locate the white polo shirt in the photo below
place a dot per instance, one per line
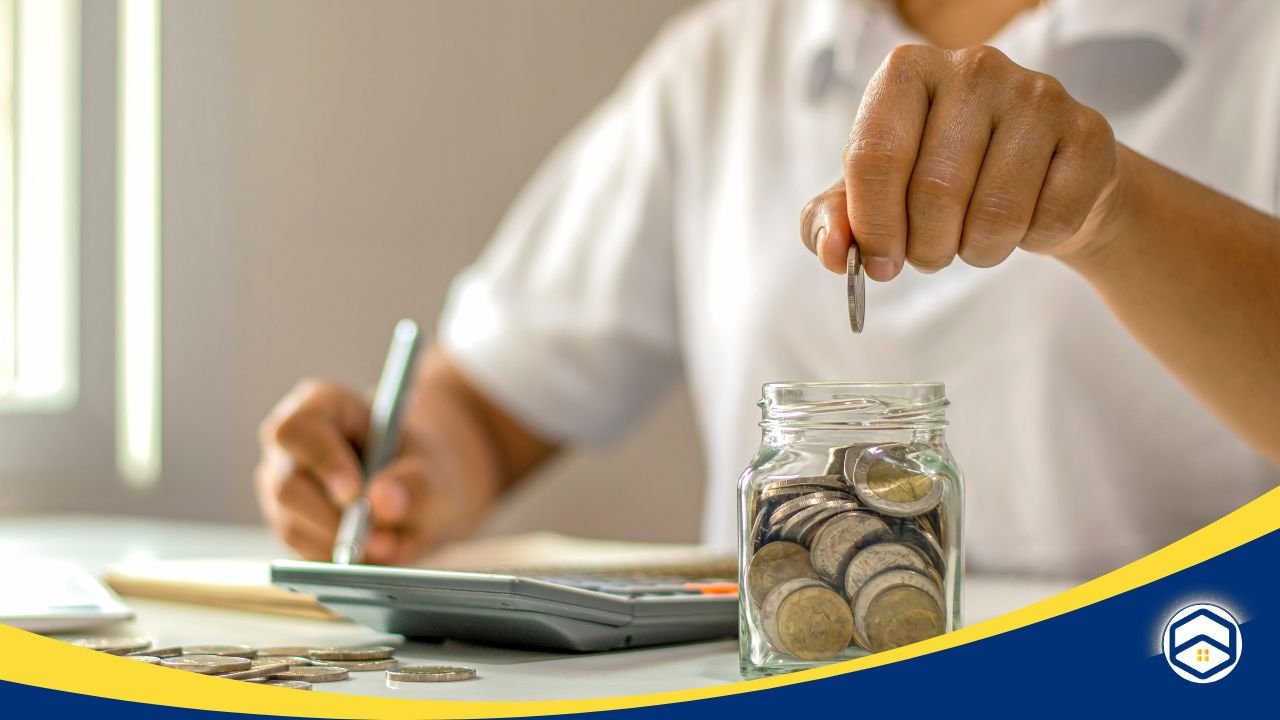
(662, 237)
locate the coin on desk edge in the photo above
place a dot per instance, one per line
(855, 290)
(840, 538)
(148, 659)
(284, 651)
(257, 671)
(207, 664)
(775, 564)
(112, 645)
(314, 674)
(916, 597)
(365, 665)
(290, 684)
(814, 623)
(370, 652)
(431, 673)
(875, 559)
(240, 651)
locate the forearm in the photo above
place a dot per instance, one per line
(1195, 277)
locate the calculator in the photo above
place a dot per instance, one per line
(578, 613)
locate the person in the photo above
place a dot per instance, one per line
(1106, 172)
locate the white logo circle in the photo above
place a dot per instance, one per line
(1202, 643)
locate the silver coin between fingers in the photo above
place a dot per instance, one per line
(257, 671)
(370, 652)
(240, 651)
(290, 684)
(113, 645)
(314, 674)
(887, 480)
(854, 288)
(207, 664)
(875, 559)
(840, 538)
(431, 673)
(897, 607)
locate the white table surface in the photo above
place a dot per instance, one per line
(94, 542)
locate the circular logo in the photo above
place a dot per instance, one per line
(1202, 643)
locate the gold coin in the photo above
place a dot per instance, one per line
(900, 616)
(774, 564)
(897, 484)
(814, 623)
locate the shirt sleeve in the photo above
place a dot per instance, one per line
(568, 319)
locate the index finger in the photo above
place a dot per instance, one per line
(881, 154)
(318, 426)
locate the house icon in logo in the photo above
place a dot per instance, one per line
(1202, 643)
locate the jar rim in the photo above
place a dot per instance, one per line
(917, 404)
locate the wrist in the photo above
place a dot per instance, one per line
(1110, 227)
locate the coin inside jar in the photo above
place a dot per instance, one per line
(775, 564)
(791, 507)
(800, 526)
(898, 607)
(888, 480)
(873, 560)
(808, 620)
(835, 543)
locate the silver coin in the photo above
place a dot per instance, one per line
(835, 543)
(113, 645)
(854, 288)
(794, 528)
(164, 652)
(255, 672)
(148, 659)
(290, 684)
(923, 541)
(314, 674)
(431, 673)
(291, 660)
(207, 664)
(790, 507)
(875, 559)
(835, 460)
(887, 479)
(284, 651)
(240, 651)
(896, 608)
(371, 652)
(780, 486)
(365, 665)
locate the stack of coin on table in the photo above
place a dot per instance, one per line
(851, 556)
(294, 667)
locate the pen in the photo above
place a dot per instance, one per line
(384, 438)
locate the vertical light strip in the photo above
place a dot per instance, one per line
(47, 130)
(8, 257)
(138, 233)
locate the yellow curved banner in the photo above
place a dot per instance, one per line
(42, 662)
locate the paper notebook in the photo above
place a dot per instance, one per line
(244, 584)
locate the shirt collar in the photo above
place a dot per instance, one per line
(844, 41)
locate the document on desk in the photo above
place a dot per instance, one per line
(244, 584)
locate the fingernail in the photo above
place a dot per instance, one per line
(397, 500)
(879, 268)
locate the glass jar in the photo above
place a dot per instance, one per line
(849, 525)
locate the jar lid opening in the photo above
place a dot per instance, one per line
(865, 404)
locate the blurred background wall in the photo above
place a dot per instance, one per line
(327, 167)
